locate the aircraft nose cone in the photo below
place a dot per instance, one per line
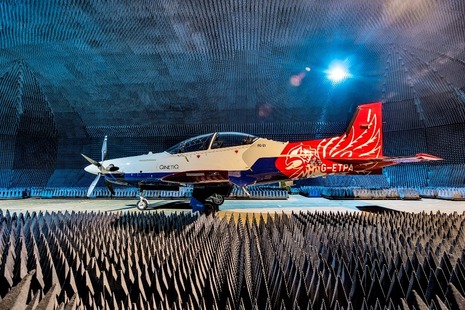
(92, 169)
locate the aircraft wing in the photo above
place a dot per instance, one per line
(187, 177)
(421, 157)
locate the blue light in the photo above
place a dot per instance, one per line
(338, 71)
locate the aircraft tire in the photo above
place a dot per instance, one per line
(142, 204)
(217, 199)
(210, 208)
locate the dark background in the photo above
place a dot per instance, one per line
(151, 73)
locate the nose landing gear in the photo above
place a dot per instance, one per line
(142, 204)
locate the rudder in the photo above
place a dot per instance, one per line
(364, 135)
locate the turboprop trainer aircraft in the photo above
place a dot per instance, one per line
(213, 163)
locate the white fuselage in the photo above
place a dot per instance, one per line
(236, 158)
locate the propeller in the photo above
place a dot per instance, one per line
(93, 184)
(102, 169)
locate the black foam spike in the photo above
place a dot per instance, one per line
(395, 292)
(17, 297)
(454, 298)
(414, 285)
(417, 301)
(357, 293)
(149, 260)
(339, 296)
(458, 278)
(439, 304)
(376, 291)
(434, 288)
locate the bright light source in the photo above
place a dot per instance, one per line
(337, 74)
(307, 69)
(338, 71)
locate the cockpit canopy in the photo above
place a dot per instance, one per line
(212, 141)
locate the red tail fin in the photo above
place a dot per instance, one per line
(363, 137)
(358, 151)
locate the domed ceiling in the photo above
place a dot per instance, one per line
(114, 64)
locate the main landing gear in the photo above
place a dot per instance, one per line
(216, 199)
(209, 208)
(207, 199)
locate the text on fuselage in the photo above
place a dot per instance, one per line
(337, 168)
(169, 167)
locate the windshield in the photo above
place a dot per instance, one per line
(222, 139)
(194, 144)
(229, 139)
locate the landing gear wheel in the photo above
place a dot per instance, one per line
(217, 199)
(142, 204)
(210, 208)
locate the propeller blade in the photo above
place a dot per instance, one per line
(110, 187)
(104, 148)
(93, 162)
(92, 186)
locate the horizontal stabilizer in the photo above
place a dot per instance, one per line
(417, 158)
